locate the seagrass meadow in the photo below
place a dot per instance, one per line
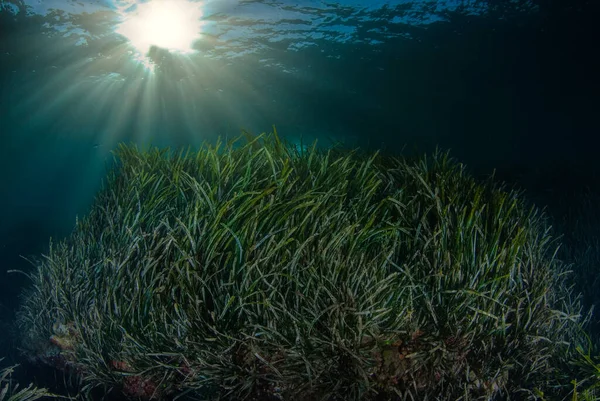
(256, 270)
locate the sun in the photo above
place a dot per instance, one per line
(168, 24)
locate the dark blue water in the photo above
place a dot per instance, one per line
(506, 85)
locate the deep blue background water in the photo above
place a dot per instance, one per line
(511, 86)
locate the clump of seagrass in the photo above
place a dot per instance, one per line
(261, 271)
(10, 391)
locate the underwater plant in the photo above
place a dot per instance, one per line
(9, 391)
(264, 271)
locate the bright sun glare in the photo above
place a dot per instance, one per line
(169, 24)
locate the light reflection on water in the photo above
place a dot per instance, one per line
(234, 28)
